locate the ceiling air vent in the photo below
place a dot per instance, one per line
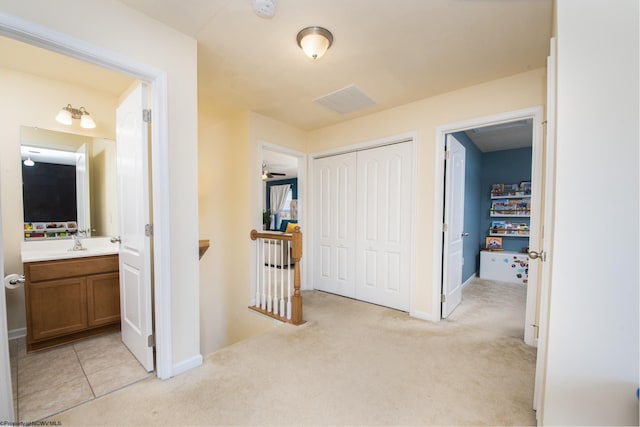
(345, 100)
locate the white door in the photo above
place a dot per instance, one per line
(83, 194)
(6, 394)
(335, 183)
(547, 220)
(383, 260)
(454, 231)
(133, 205)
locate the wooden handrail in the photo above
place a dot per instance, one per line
(296, 254)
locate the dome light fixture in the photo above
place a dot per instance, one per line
(68, 113)
(314, 41)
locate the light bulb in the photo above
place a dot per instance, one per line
(64, 117)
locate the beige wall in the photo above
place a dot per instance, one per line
(229, 195)
(146, 41)
(31, 101)
(230, 205)
(508, 94)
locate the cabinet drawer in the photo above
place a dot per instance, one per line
(60, 269)
(56, 307)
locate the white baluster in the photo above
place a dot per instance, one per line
(282, 313)
(263, 301)
(289, 286)
(259, 271)
(271, 263)
(275, 288)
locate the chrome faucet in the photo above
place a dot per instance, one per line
(77, 242)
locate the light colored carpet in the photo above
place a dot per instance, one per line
(352, 363)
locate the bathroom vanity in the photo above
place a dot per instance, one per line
(71, 295)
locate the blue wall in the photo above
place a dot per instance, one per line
(472, 205)
(481, 171)
(506, 167)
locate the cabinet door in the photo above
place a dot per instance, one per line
(57, 307)
(103, 299)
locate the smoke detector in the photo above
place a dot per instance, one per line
(264, 8)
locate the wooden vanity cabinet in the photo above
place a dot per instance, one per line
(70, 299)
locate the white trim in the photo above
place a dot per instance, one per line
(187, 365)
(15, 334)
(423, 316)
(535, 113)
(408, 137)
(49, 39)
(469, 280)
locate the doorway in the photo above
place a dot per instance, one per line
(510, 147)
(281, 168)
(53, 41)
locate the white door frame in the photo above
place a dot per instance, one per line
(255, 176)
(534, 113)
(312, 202)
(49, 39)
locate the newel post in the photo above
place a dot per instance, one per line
(296, 254)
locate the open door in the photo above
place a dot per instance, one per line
(133, 205)
(453, 236)
(547, 219)
(83, 195)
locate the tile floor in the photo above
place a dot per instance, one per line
(49, 381)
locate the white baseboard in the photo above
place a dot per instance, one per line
(469, 280)
(17, 333)
(424, 316)
(186, 365)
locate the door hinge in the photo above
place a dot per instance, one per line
(151, 341)
(444, 298)
(146, 115)
(148, 230)
(445, 227)
(446, 154)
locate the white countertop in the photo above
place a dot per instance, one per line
(46, 250)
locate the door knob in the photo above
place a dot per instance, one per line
(464, 234)
(542, 255)
(115, 239)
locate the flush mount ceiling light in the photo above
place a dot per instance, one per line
(314, 41)
(68, 113)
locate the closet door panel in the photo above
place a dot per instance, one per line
(383, 233)
(335, 182)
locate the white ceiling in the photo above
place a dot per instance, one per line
(393, 51)
(504, 136)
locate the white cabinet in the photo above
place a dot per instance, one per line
(504, 266)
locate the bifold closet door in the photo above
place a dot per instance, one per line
(335, 225)
(383, 227)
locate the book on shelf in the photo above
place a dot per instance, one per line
(505, 190)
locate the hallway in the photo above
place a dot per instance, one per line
(352, 363)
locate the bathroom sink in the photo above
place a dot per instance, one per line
(45, 250)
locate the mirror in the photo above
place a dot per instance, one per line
(69, 183)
